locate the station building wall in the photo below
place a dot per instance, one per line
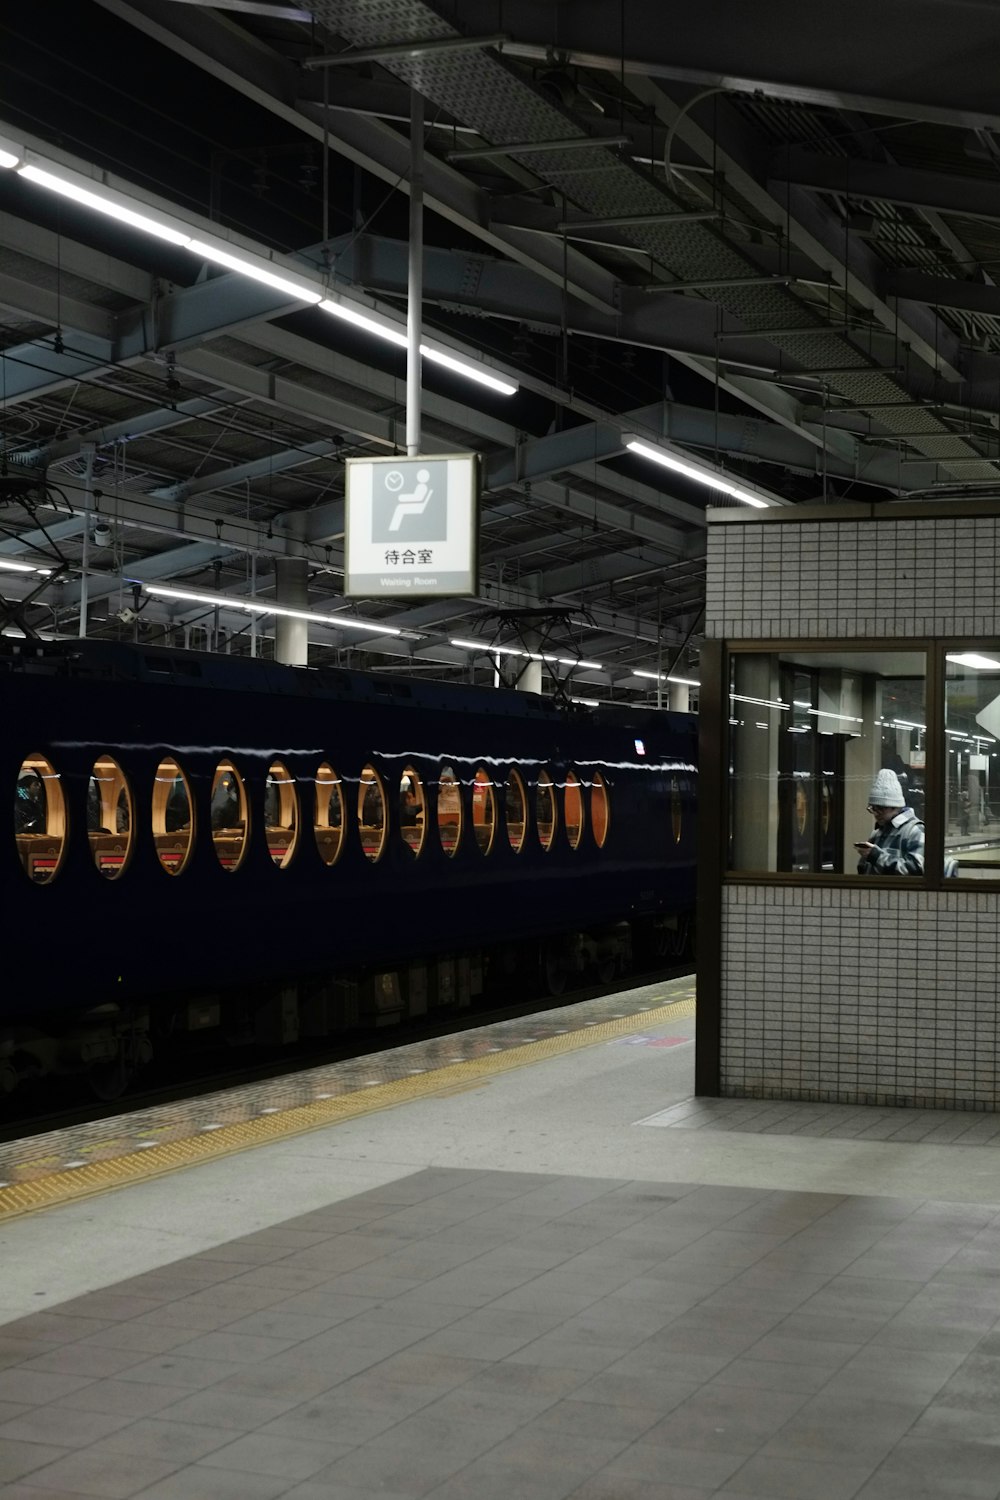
(840, 991)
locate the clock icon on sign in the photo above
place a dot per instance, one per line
(394, 481)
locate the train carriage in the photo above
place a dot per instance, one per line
(204, 842)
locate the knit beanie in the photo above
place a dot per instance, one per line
(886, 790)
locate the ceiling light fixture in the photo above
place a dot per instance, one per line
(20, 567)
(562, 661)
(692, 470)
(973, 659)
(115, 205)
(257, 270)
(90, 191)
(266, 607)
(666, 677)
(349, 312)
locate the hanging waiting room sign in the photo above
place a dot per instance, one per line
(412, 527)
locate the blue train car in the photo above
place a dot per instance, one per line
(204, 842)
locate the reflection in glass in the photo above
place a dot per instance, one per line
(411, 810)
(483, 811)
(229, 817)
(109, 817)
(573, 809)
(515, 812)
(545, 810)
(809, 730)
(39, 819)
(371, 813)
(173, 818)
(972, 759)
(328, 819)
(281, 814)
(449, 810)
(599, 809)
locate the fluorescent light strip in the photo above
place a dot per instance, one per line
(665, 677)
(103, 202)
(126, 210)
(265, 607)
(20, 567)
(256, 270)
(563, 661)
(972, 659)
(693, 471)
(342, 308)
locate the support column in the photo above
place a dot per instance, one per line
(529, 679)
(680, 697)
(415, 284)
(291, 637)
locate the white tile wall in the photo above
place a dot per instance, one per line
(885, 577)
(845, 994)
(861, 997)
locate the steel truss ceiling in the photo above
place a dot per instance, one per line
(783, 262)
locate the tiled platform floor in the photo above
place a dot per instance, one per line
(506, 1335)
(934, 1127)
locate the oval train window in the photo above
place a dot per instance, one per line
(449, 810)
(371, 813)
(328, 818)
(173, 817)
(483, 811)
(515, 805)
(411, 810)
(545, 810)
(676, 809)
(573, 809)
(39, 819)
(599, 809)
(109, 817)
(230, 818)
(281, 814)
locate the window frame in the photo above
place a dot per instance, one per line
(226, 763)
(130, 834)
(186, 857)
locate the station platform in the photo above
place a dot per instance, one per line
(535, 1268)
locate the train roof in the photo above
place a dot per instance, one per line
(121, 661)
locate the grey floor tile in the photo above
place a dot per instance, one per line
(235, 1348)
(109, 1476)
(281, 1457)
(671, 1465)
(773, 1375)
(827, 1427)
(175, 1369)
(85, 1359)
(944, 1462)
(727, 1419)
(600, 1488)
(596, 1419)
(62, 1426)
(227, 1410)
(139, 1337)
(331, 1421)
(18, 1459)
(200, 1483)
(473, 1484)
(611, 1388)
(37, 1386)
(796, 1479)
(118, 1397)
(888, 1486)
(173, 1441)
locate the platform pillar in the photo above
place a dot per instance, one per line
(291, 637)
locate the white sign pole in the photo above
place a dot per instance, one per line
(415, 286)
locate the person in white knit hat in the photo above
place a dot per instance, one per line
(896, 846)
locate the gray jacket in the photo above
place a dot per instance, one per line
(900, 848)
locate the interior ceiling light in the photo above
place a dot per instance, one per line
(349, 312)
(266, 607)
(257, 270)
(104, 202)
(666, 677)
(20, 567)
(692, 470)
(972, 659)
(562, 661)
(90, 192)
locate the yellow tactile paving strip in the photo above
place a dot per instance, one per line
(45, 1185)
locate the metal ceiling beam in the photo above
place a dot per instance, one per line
(52, 306)
(74, 259)
(245, 473)
(147, 569)
(943, 54)
(944, 291)
(142, 424)
(245, 64)
(945, 192)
